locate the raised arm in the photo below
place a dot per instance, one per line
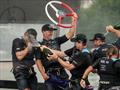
(68, 66)
(57, 52)
(21, 54)
(41, 69)
(57, 55)
(72, 30)
(110, 28)
(86, 73)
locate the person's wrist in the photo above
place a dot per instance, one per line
(57, 58)
(83, 79)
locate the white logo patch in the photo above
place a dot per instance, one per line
(17, 48)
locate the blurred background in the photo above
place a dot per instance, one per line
(18, 15)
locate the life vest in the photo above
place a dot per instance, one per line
(107, 71)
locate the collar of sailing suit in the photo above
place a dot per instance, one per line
(85, 50)
(44, 41)
(47, 40)
(114, 59)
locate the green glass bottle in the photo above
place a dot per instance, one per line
(47, 51)
(117, 26)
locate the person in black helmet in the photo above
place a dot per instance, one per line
(23, 55)
(53, 67)
(108, 69)
(78, 62)
(99, 45)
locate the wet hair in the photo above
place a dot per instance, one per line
(31, 31)
(112, 50)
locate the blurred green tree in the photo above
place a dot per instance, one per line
(100, 14)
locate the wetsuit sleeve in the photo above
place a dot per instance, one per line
(95, 65)
(83, 59)
(61, 39)
(95, 55)
(69, 52)
(38, 53)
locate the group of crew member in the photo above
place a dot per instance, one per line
(80, 62)
(25, 54)
(104, 59)
(108, 65)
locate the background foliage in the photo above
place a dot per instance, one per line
(95, 18)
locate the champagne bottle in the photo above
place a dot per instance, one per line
(47, 51)
(117, 26)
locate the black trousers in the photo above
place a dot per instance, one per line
(25, 77)
(57, 80)
(30, 83)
